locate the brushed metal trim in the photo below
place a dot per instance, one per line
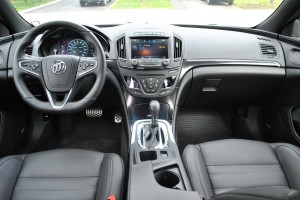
(52, 102)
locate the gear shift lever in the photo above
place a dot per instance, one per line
(154, 107)
(151, 131)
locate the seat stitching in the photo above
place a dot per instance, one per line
(198, 171)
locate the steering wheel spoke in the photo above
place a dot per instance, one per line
(58, 101)
(31, 65)
(86, 66)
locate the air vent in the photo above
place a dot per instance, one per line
(121, 48)
(28, 50)
(177, 48)
(268, 50)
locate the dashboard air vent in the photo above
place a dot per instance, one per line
(268, 50)
(28, 50)
(121, 48)
(177, 48)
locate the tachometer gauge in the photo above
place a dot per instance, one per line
(78, 47)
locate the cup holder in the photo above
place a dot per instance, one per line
(167, 179)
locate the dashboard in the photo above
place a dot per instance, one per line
(152, 61)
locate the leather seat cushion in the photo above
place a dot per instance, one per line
(61, 174)
(220, 166)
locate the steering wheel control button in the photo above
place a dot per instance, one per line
(32, 67)
(92, 64)
(85, 66)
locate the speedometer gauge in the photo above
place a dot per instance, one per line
(78, 47)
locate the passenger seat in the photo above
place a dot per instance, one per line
(218, 167)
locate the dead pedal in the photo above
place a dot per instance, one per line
(93, 112)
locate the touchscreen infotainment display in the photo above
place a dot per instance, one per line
(149, 48)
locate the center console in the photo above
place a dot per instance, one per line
(149, 62)
(156, 168)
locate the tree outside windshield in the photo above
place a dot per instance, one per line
(243, 13)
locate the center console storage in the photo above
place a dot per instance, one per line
(148, 155)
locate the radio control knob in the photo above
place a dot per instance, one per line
(166, 62)
(134, 62)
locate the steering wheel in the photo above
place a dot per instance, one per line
(60, 75)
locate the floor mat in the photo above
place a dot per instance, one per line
(194, 126)
(99, 134)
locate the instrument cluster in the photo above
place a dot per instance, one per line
(66, 42)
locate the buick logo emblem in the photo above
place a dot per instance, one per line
(59, 67)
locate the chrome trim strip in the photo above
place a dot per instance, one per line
(162, 130)
(51, 100)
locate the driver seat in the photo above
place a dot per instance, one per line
(61, 174)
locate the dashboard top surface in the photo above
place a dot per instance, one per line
(197, 43)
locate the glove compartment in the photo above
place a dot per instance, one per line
(234, 85)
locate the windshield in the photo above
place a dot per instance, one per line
(240, 13)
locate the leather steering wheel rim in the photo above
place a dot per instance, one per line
(39, 67)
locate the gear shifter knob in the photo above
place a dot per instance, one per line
(154, 107)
